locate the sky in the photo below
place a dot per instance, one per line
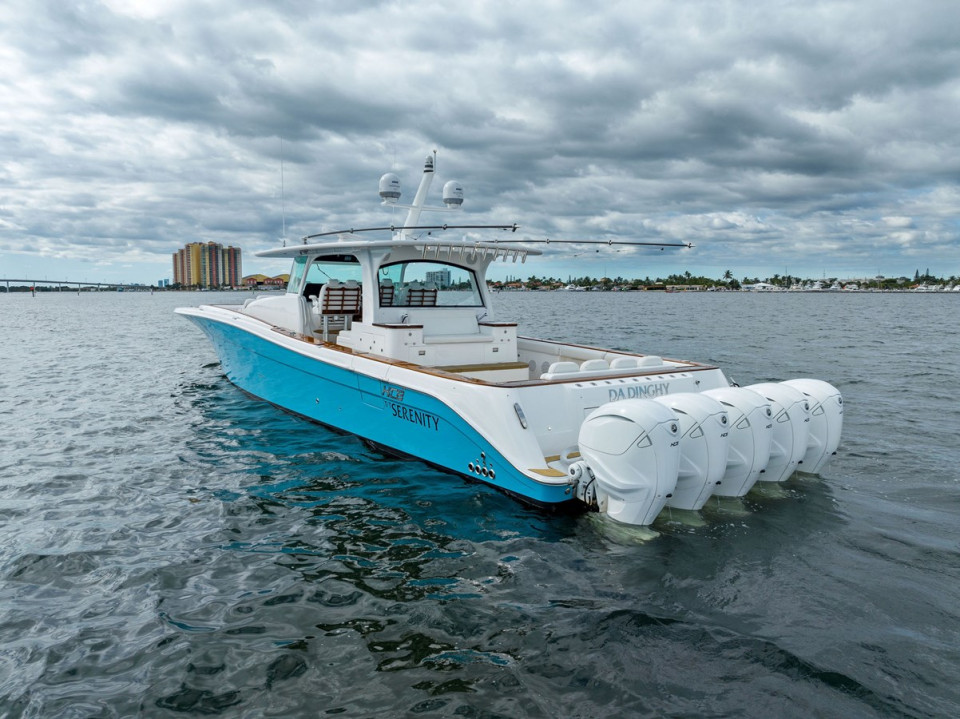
(812, 139)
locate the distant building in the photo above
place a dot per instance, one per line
(207, 264)
(441, 278)
(254, 281)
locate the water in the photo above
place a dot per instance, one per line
(172, 547)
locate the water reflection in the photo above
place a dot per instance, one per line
(321, 540)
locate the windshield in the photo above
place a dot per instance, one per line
(342, 268)
(421, 283)
(296, 273)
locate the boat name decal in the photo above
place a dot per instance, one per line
(416, 416)
(639, 391)
(391, 391)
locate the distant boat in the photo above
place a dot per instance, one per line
(762, 287)
(365, 340)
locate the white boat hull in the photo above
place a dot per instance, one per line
(393, 340)
(522, 436)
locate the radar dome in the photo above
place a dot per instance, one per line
(453, 194)
(390, 188)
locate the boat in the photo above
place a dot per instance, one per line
(762, 287)
(389, 334)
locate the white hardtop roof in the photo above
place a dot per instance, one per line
(348, 246)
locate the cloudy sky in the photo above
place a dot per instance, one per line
(804, 138)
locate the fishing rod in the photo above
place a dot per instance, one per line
(394, 228)
(511, 228)
(661, 245)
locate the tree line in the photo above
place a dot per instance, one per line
(727, 281)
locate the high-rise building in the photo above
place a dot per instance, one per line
(441, 278)
(207, 264)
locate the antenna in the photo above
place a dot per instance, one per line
(283, 209)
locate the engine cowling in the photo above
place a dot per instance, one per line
(826, 422)
(751, 431)
(791, 428)
(633, 449)
(704, 445)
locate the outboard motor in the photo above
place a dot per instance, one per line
(704, 444)
(791, 428)
(826, 422)
(751, 431)
(632, 448)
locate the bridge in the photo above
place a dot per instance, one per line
(21, 285)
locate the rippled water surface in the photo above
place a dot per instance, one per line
(170, 546)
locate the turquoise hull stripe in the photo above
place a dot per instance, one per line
(399, 418)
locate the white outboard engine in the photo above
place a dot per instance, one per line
(704, 444)
(751, 431)
(791, 428)
(826, 422)
(632, 448)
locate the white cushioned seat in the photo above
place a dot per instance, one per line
(595, 365)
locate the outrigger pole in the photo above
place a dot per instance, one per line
(687, 245)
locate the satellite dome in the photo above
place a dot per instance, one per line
(452, 194)
(389, 188)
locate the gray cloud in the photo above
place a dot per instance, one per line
(818, 136)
